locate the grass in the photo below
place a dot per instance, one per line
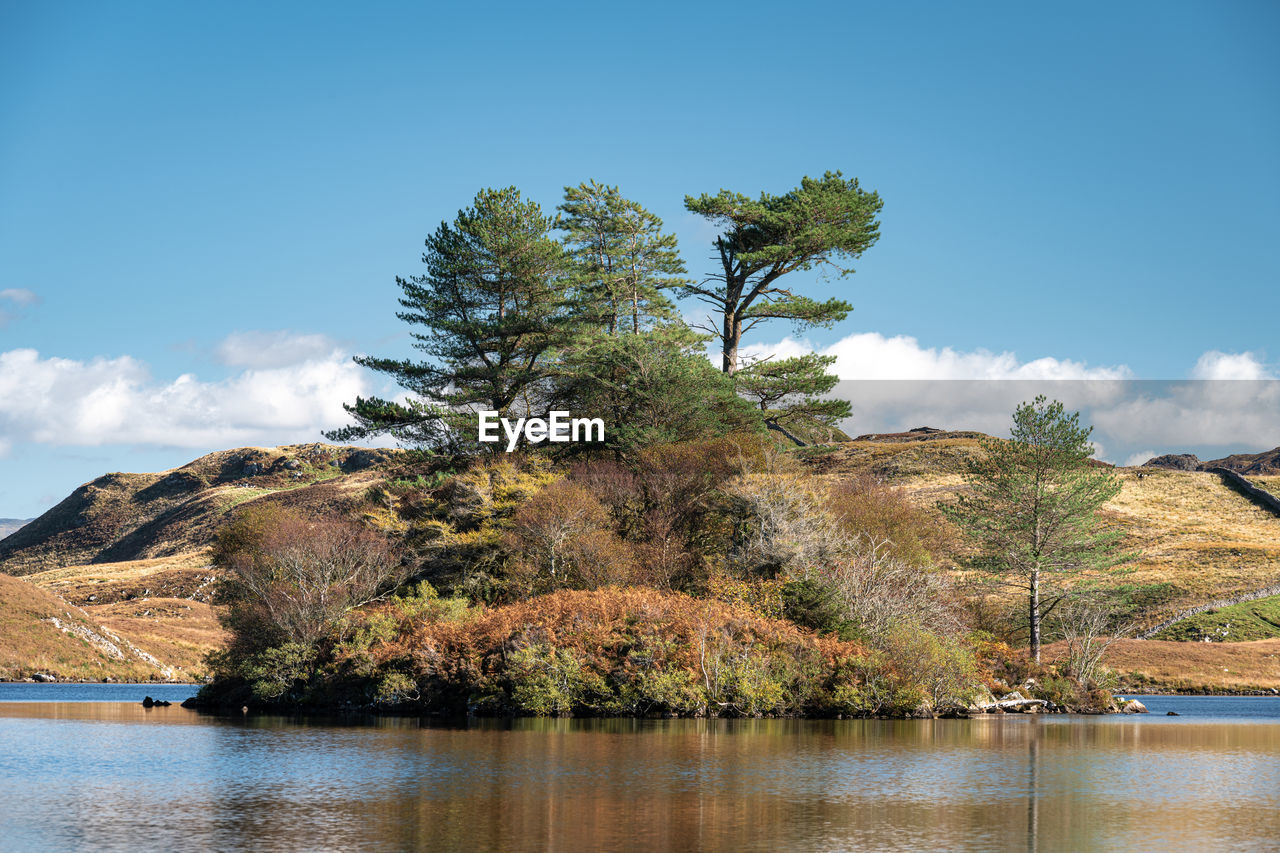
(177, 631)
(30, 643)
(121, 517)
(146, 602)
(1169, 666)
(1251, 620)
(906, 463)
(182, 576)
(1269, 482)
(1194, 538)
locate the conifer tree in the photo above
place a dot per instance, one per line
(1032, 508)
(492, 306)
(821, 223)
(789, 394)
(623, 259)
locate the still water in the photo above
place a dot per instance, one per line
(76, 773)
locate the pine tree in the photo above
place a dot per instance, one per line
(788, 392)
(652, 387)
(817, 224)
(1033, 507)
(492, 305)
(623, 259)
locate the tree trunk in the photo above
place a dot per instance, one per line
(1034, 613)
(731, 335)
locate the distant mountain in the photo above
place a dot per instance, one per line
(1263, 464)
(9, 525)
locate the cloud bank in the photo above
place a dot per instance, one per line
(870, 355)
(1230, 400)
(287, 391)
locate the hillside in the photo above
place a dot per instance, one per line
(122, 517)
(115, 580)
(1265, 464)
(126, 553)
(1196, 538)
(42, 633)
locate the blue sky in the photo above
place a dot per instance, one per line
(203, 208)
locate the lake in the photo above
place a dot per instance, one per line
(87, 767)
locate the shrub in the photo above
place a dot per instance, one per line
(561, 540)
(870, 509)
(812, 604)
(290, 579)
(783, 527)
(546, 681)
(279, 673)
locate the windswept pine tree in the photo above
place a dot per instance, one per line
(823, 222)
(624, 261)
(492, 307)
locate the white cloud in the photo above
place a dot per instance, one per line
(62, 401)
(1192, 413)
(19, 295)
(272, 349)
(870, 355)
(1138, 458)
(1222, 365)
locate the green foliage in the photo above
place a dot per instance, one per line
(623, 262)
(492, 305)
(1033, 503)
(812, 604)
(912, 671)
(817, 224)
(396, 688)
(789, 393)
(420, 601)
(546, 681)
(280, 673)
(651, 388)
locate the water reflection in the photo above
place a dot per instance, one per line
(111, 776)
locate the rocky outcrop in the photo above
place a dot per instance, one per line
(1175, 462)
(1265, 463)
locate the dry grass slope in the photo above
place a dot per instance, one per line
(1195, 667)
(1196, 538)
(40, 632)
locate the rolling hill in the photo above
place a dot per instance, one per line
(126, 554)
(10, 525)
(115, 581)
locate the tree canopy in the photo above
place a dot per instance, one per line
(788, 393)
(1033, 503)
(492, 305)
(624, 260)
(824, 222)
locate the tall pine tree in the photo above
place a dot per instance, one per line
(492, 307)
